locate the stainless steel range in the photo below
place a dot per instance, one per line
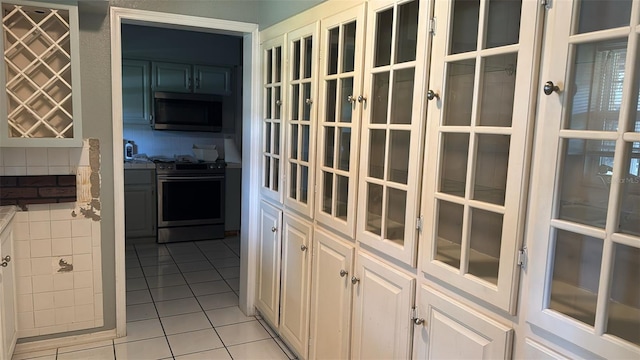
(190, 201)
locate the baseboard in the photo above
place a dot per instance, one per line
(64, 341)
(228, 233)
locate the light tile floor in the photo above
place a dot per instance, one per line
(182, 304)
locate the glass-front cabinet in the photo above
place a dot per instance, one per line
(301, 118)
(392, 127)
(272, 114)
(479, 134)
(586, 186)
(339, 119)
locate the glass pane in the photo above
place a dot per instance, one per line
(450, 217)
(278, 65)
(276, 107)
(503, 27)
(634, 125)
(305, 143)
(402, 96)
(485, 241)
(348, 46)
(294, 141)
(276, 138)
(268, 114)
(374, 209)
(459, 92)
(346, 106)
(327, 192)
(329, 142)
(629, 215)
(332, 59)
(498, 89)
(407, 35)
(342, 197)
(576, 271)
(492, 161)
(453, 166)
(383, 38)
(267, 171)
(331, 100)
(306, 95)
(269, 69)
(380, 98)
(304, 184)
(603, 14)
(344, 138)
(624, 300)
(308, 57)
(396, 211)
(267, 137)
(295, 102)
(399, 156)
(465, 26)
(296, 60)
(293, 179)
(585, 178)
(276, 175)
(377, 142)
(595, 91)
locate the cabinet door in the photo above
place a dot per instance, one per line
(212, 80)
(453, 331)
(269, 261)
(300, 131)
(8, 333)
(381, 311)
(331, 297)
(585, 260)
(136, 92)
(139, 203)
(272, 132)
(40, 93)
(339, 119)
(296, 277)
(393, 126)
(171, 77)
(478, 141)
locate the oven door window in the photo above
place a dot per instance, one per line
(191, 201)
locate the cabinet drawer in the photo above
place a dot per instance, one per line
(139, 177)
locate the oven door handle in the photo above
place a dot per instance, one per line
(190, 178)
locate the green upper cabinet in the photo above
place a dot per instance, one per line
(188, 78)
(136, 92)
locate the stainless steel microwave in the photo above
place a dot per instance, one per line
(187, 112)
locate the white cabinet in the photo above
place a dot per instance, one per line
(382, 326)
(295, 283)
(177, 77)
(140, 203)
(269, 263)
(136, 92)
(447, 329)
(8, 330)
(40, 75)
(585, 261)
(331, 297)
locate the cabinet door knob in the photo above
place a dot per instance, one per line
(351, 99)
(361, 98)
(278, 102)
(432, 95)
(343, 273)
(274, 229)
(418, 321)
(354, 280)
(7, 258)
(303, 247)
(4, 264)
(308, 101)
(549, 88)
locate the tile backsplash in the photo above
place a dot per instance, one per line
(58, 253)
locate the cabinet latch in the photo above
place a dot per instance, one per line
(419, 223)
(546, 4)
(522, 257)
(415, 319)
(432, 26)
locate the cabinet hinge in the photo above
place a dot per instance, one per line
(419, 223)
(522, 257)
(546, 4)
(432, 26)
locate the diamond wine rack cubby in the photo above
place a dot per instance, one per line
(40, 45)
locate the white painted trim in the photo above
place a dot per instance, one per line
(40, 345)
(250, 180)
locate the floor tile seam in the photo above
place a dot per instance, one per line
(253, 341)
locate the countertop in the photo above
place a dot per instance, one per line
(134, 164)
(6, 214)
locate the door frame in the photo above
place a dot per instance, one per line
(250, 136)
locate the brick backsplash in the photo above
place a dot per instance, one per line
(42, 189)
